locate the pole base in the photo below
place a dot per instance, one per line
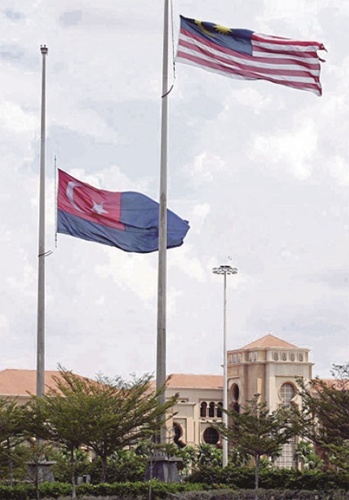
(41, 471)
(163, 468)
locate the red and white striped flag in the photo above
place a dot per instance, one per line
(244, 54)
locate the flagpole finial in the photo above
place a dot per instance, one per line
(43, 49)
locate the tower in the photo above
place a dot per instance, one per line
(270, 367)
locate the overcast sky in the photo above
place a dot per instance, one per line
(259, 170)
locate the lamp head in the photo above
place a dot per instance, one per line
(224, 270)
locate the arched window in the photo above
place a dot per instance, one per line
(287, 393)
(211, 409)
(177, 432)
(211, 436)
(177, 435)
(219, 410)
(203, 409)
(287, 457)
(235, 392)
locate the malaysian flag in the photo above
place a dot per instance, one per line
(244, 54)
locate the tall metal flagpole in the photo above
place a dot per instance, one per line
(40, 368)
(225, 270)
(161, 319)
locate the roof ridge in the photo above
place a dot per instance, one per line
(269, 340)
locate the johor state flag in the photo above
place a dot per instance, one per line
(244, 54)
(129, 220)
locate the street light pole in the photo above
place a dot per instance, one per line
(225, 270)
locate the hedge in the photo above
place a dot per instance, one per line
(244, 478)
(174, 491)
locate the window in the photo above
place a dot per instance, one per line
(177, 435)
(235, 392)
(211, 436)
(292, 356)
(287, 393)
(275, 356)
(287, 457)
(211, 409)
(300, 357)
(219, 410)
(177, 432)
(283, 356)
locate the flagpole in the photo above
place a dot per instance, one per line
(40, 368)
(161, 318)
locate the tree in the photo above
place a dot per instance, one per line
(60, 419)
(256, 432)
(209, 455)
(129, 412)
(105, 415)
(307, 457)
(324, 416)
(11, 430)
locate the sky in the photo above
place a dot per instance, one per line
(259, 170)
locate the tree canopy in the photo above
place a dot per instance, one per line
(256, 432)
(324, 417)
(105, 415)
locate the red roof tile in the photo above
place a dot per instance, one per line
(185, 381)
(21, 382)
(269, 341)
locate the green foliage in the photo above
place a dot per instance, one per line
(62, 467)
(140, 490)
(207, 474)
(262, 495)
(122, 466)
(324, 416)
(188, 455)
(271, 478)
(104, 415)
(237, 457)
(12, 430)
(209, 455)
(54, 490)
(18, 492)
(307, 457)
(13, 465)
(256, 432)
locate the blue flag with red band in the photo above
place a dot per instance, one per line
(126, 220)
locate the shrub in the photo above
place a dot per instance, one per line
(54, 490)
(18, 492)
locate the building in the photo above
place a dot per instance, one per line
(21, 384)
(199, 406)
(268, 366)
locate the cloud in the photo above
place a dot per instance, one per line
(291, 150)
(250, 97)
(206, 166)
(258, 170)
